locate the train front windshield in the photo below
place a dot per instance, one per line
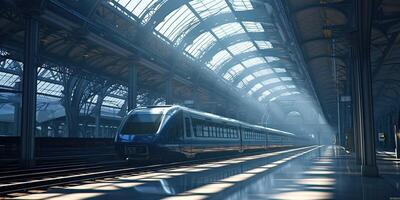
(142, 124)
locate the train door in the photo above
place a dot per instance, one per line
(188, 135)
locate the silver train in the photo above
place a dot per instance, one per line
(163, 132)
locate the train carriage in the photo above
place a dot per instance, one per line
(162, 132)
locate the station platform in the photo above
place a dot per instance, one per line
(318, 172)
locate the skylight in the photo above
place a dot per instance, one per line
(271, 59)
(200, 44)
(286, 78)
(8, 80)
(218, 59)
(177, 24)
(264, 95)
(271, 81)
(253, 26)
(49, 88)
(206, 8)
(228, 76)
(255, 88)
(228, 30)
(241, 5)
(142, 9)
(113, 102)
(233, 71)
(263, 72)
(279, 70)
(241, 47)
(247, 79)
(253, 61)
(278, 88)
(262, 44)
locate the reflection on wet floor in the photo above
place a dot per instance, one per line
(312, 173)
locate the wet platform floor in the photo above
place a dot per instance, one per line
(319, 172)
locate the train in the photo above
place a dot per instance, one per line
(173, 131)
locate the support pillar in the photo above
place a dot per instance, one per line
(168, 90)
(397, 140)
(132, 86)
(366, 114)
(29, 84)
(355, 99)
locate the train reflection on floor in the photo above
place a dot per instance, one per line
(316, 173)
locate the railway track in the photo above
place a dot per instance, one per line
(23, 181)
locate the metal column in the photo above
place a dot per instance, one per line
(355, 99)
(29, 84)
(366, 114)
(168, 90)
(132, 86)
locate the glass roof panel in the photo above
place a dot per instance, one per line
(253, 26)
(271, 81)
(241, 5)
(279, 70)
(241, 84)
(143, 9)
(264, 95)
(247, 79)
(271, 58)
(49, 88)
(285, 94)
(255, 88)
(228, 76)
(49, 74)
(262, 44)
(121, 91)
(200, 44)
(218, 59)
(206, 8)
(228, 30)
(263, 72)
(8, 80)
(233, 71)
(241, 47)
(286, 78)
(177, 24)
(278, 88)
(253, 61)
(113, 102)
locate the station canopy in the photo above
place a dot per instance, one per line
(230, 37)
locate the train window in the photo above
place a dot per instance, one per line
(194, 129)
(142, 124)
(206, 131)
(214, 131)
(225, 132)
(199, 130)
(187, 128)
(202, 130)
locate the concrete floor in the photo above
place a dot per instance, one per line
(326, 172)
